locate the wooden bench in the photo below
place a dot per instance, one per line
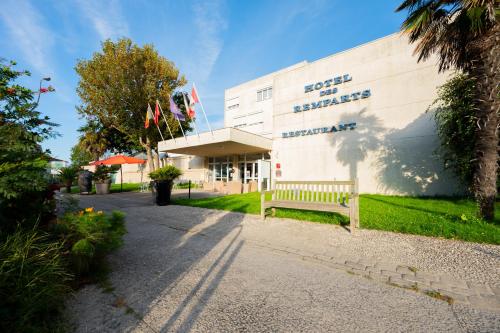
(328, 196)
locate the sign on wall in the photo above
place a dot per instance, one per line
(331, 87)
(319, 130)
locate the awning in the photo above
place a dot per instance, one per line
(225, 141)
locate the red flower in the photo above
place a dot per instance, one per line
(43, 90)
(11, 91)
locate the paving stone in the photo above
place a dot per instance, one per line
(413, 278)
(386, 266)
(322, 257)
(456, 297)
(495, 289)
(480, 288)
(391, 274)
(426, 275)
(486, 302)
(402, 283)
(447, 280)
(378, 277)
(405, 270)
(355, 265)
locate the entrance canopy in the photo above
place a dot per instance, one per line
(225, 141)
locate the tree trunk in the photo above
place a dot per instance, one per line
(149, 155)
(157, 159)
(487, 74)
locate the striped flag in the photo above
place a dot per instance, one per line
(175, 110)
(189, 107)
(149, 115)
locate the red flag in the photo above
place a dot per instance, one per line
(157, 113)
(194, 95)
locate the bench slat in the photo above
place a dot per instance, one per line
(307, 206)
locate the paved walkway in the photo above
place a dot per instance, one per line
(190, 269)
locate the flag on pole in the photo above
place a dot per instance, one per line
(194, 95)
(175, 111)
(149, 115)
(196, 99)
(191, 113)
(157, 113)
(189, 106)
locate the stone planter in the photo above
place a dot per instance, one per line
(162, 191)
(103, 188)
(85, 181)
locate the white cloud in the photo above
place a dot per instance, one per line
(29, 34)
(106, 17)
(209, 23)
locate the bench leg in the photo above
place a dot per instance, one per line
(262, 207)
(273, 212)
(352, 217)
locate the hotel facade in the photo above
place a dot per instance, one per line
(364, 114)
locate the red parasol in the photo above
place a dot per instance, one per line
(119, 159)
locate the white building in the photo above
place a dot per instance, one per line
(361, 113)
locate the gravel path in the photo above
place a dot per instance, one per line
(192, 269)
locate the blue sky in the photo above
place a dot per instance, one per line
(216, 44)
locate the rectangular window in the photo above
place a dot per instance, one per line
(264, 94)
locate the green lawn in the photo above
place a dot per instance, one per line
(127, 187)
(429, 216)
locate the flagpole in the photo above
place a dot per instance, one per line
(149, 114)
(203, 110)
(192, 119)
(164, 118)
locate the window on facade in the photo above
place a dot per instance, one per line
(264, 94)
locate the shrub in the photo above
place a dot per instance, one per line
(456, 124)
(89, 236)
(102, 173)
(168, 172)
(33, 282)
(68, 176)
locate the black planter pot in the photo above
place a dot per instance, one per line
(162, 190)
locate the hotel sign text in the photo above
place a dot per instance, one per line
(319, 130)
(327, 88)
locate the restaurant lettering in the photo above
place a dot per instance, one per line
(327, 88)
(319, 130)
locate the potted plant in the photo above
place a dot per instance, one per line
(102, 179)
(163, 180)
(67, 176)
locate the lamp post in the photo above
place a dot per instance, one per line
(40, 91)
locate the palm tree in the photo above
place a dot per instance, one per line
(466, 35)
(93, 140)
(68, 175)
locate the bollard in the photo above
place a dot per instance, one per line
(189, 190)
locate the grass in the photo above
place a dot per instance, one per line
(447, 217)
(115, 188)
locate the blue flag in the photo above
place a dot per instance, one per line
(175, 110)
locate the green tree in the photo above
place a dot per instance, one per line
(117, 84)
(79, 155)
(456, 123)
(23, 163)
(466, 35)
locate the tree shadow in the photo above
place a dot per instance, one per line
(355, 145)
(161, 251)
(409, 161)
(405, 161)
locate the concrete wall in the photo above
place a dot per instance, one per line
(393, 147)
